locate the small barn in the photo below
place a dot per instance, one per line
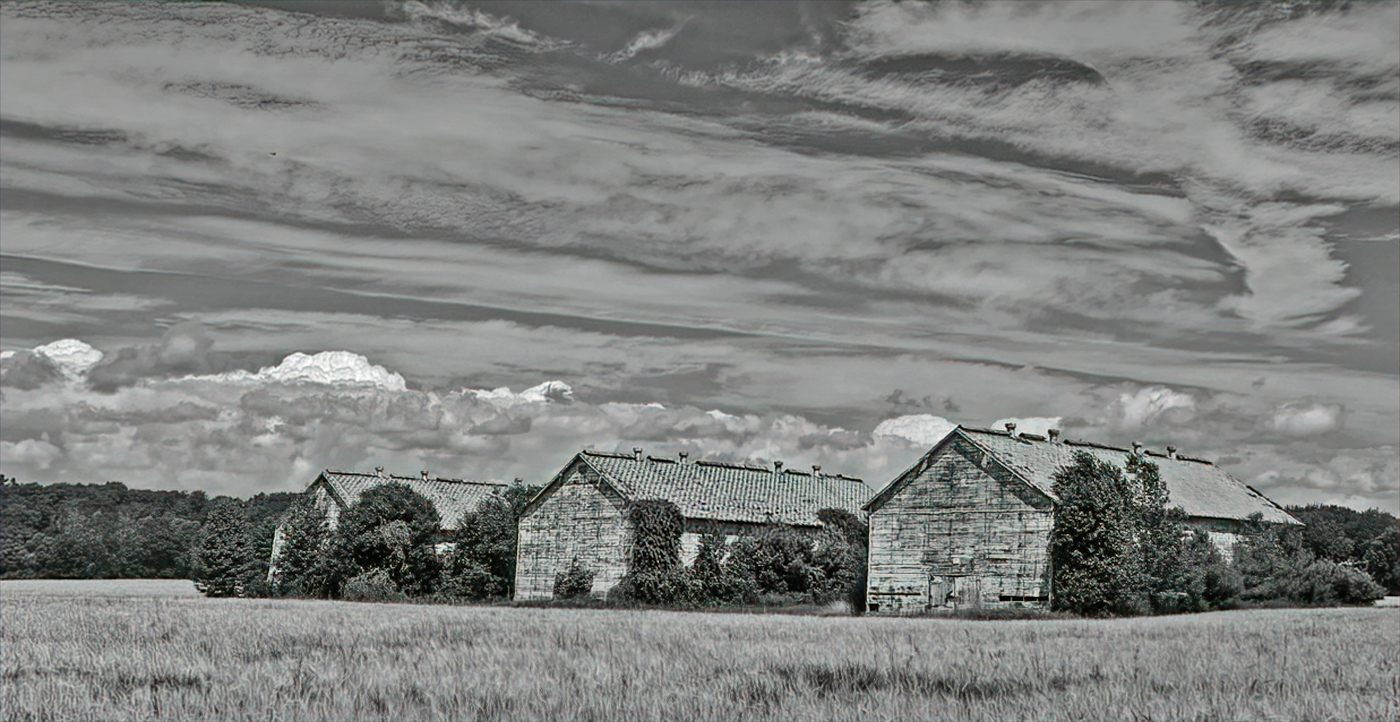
(334, 491)
(969, 524)
(583, 512)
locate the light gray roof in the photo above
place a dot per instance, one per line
(1199, 487)
(729, 492)
(451, 497)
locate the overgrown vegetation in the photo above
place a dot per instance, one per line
(1118, 550)
(574, 582)
(778, 565)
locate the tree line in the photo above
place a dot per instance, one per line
(1117, 549)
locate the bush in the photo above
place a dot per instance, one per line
(1382, 560)
(1277, 565)
(300, 566)
(374, 585)
(574, 582)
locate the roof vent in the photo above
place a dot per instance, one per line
(777, 467)
(816, 469)
(683, 456)
(1171, 452)
(1137, 448)
(379, 471)
(637, 453)
(1054, 435)
(424, 474)
(1011, 429)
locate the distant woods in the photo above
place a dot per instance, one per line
(107, 531)
(1117, 549)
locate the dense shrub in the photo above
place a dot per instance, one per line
(1278, 565)
(857, 535)
(374, 585)
(574, 582)
(1382, 560)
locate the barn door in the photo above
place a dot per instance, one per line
(938, 589)
(967, 592)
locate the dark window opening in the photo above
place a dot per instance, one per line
(1022, 598)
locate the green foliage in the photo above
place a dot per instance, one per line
(391, 528)
(574, 582)
(715, 581)
(779, 561)
(107, 531)
(1278, 565)
(1204, 582)
(373, 585)
(481, 565)
(301, 564)
(1096, 556)
(1382, 560)
(222, 563)
(654, 573)
(857, 535)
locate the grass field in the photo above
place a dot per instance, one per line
(133, 656)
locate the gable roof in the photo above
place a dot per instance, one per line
(451, 497)
(1199, 487)
(720, 491)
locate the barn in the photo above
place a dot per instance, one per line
(335, 491)
(583, 512)
(969, 524)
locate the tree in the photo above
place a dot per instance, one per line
(221, 563)
(1095, 551)
(482, 563)
(857, 535)
(1382, 560)
(301, 569)
(392, 528)
(1161, 534)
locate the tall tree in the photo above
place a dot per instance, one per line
(301, 567)
(392, 528)
(222, 561)
(1096, 556)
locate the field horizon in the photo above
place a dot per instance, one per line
(141, 657)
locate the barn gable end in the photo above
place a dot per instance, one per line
(958, 530)
(577, 515)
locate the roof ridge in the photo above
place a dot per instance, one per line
(606, 454)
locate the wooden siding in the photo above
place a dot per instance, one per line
(963, 524)
(581, 518)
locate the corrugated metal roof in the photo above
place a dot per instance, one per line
(1200, 488)
(730, 492)
(451, 497)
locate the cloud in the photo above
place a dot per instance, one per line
(1299, 419)
(922, 429)
(330, 368)
(73, 358)
(27, 370)
(182, 350)
(503, 397)
(1153, 405)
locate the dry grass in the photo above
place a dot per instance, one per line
(143, 658)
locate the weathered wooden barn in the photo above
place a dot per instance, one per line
(583, 512)
(334, 491)
(969, 524)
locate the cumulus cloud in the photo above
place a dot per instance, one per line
(330, 368)
(503, 397)
(922, 429)
(73, 358)
(1300, 419)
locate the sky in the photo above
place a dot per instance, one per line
(241, 243)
